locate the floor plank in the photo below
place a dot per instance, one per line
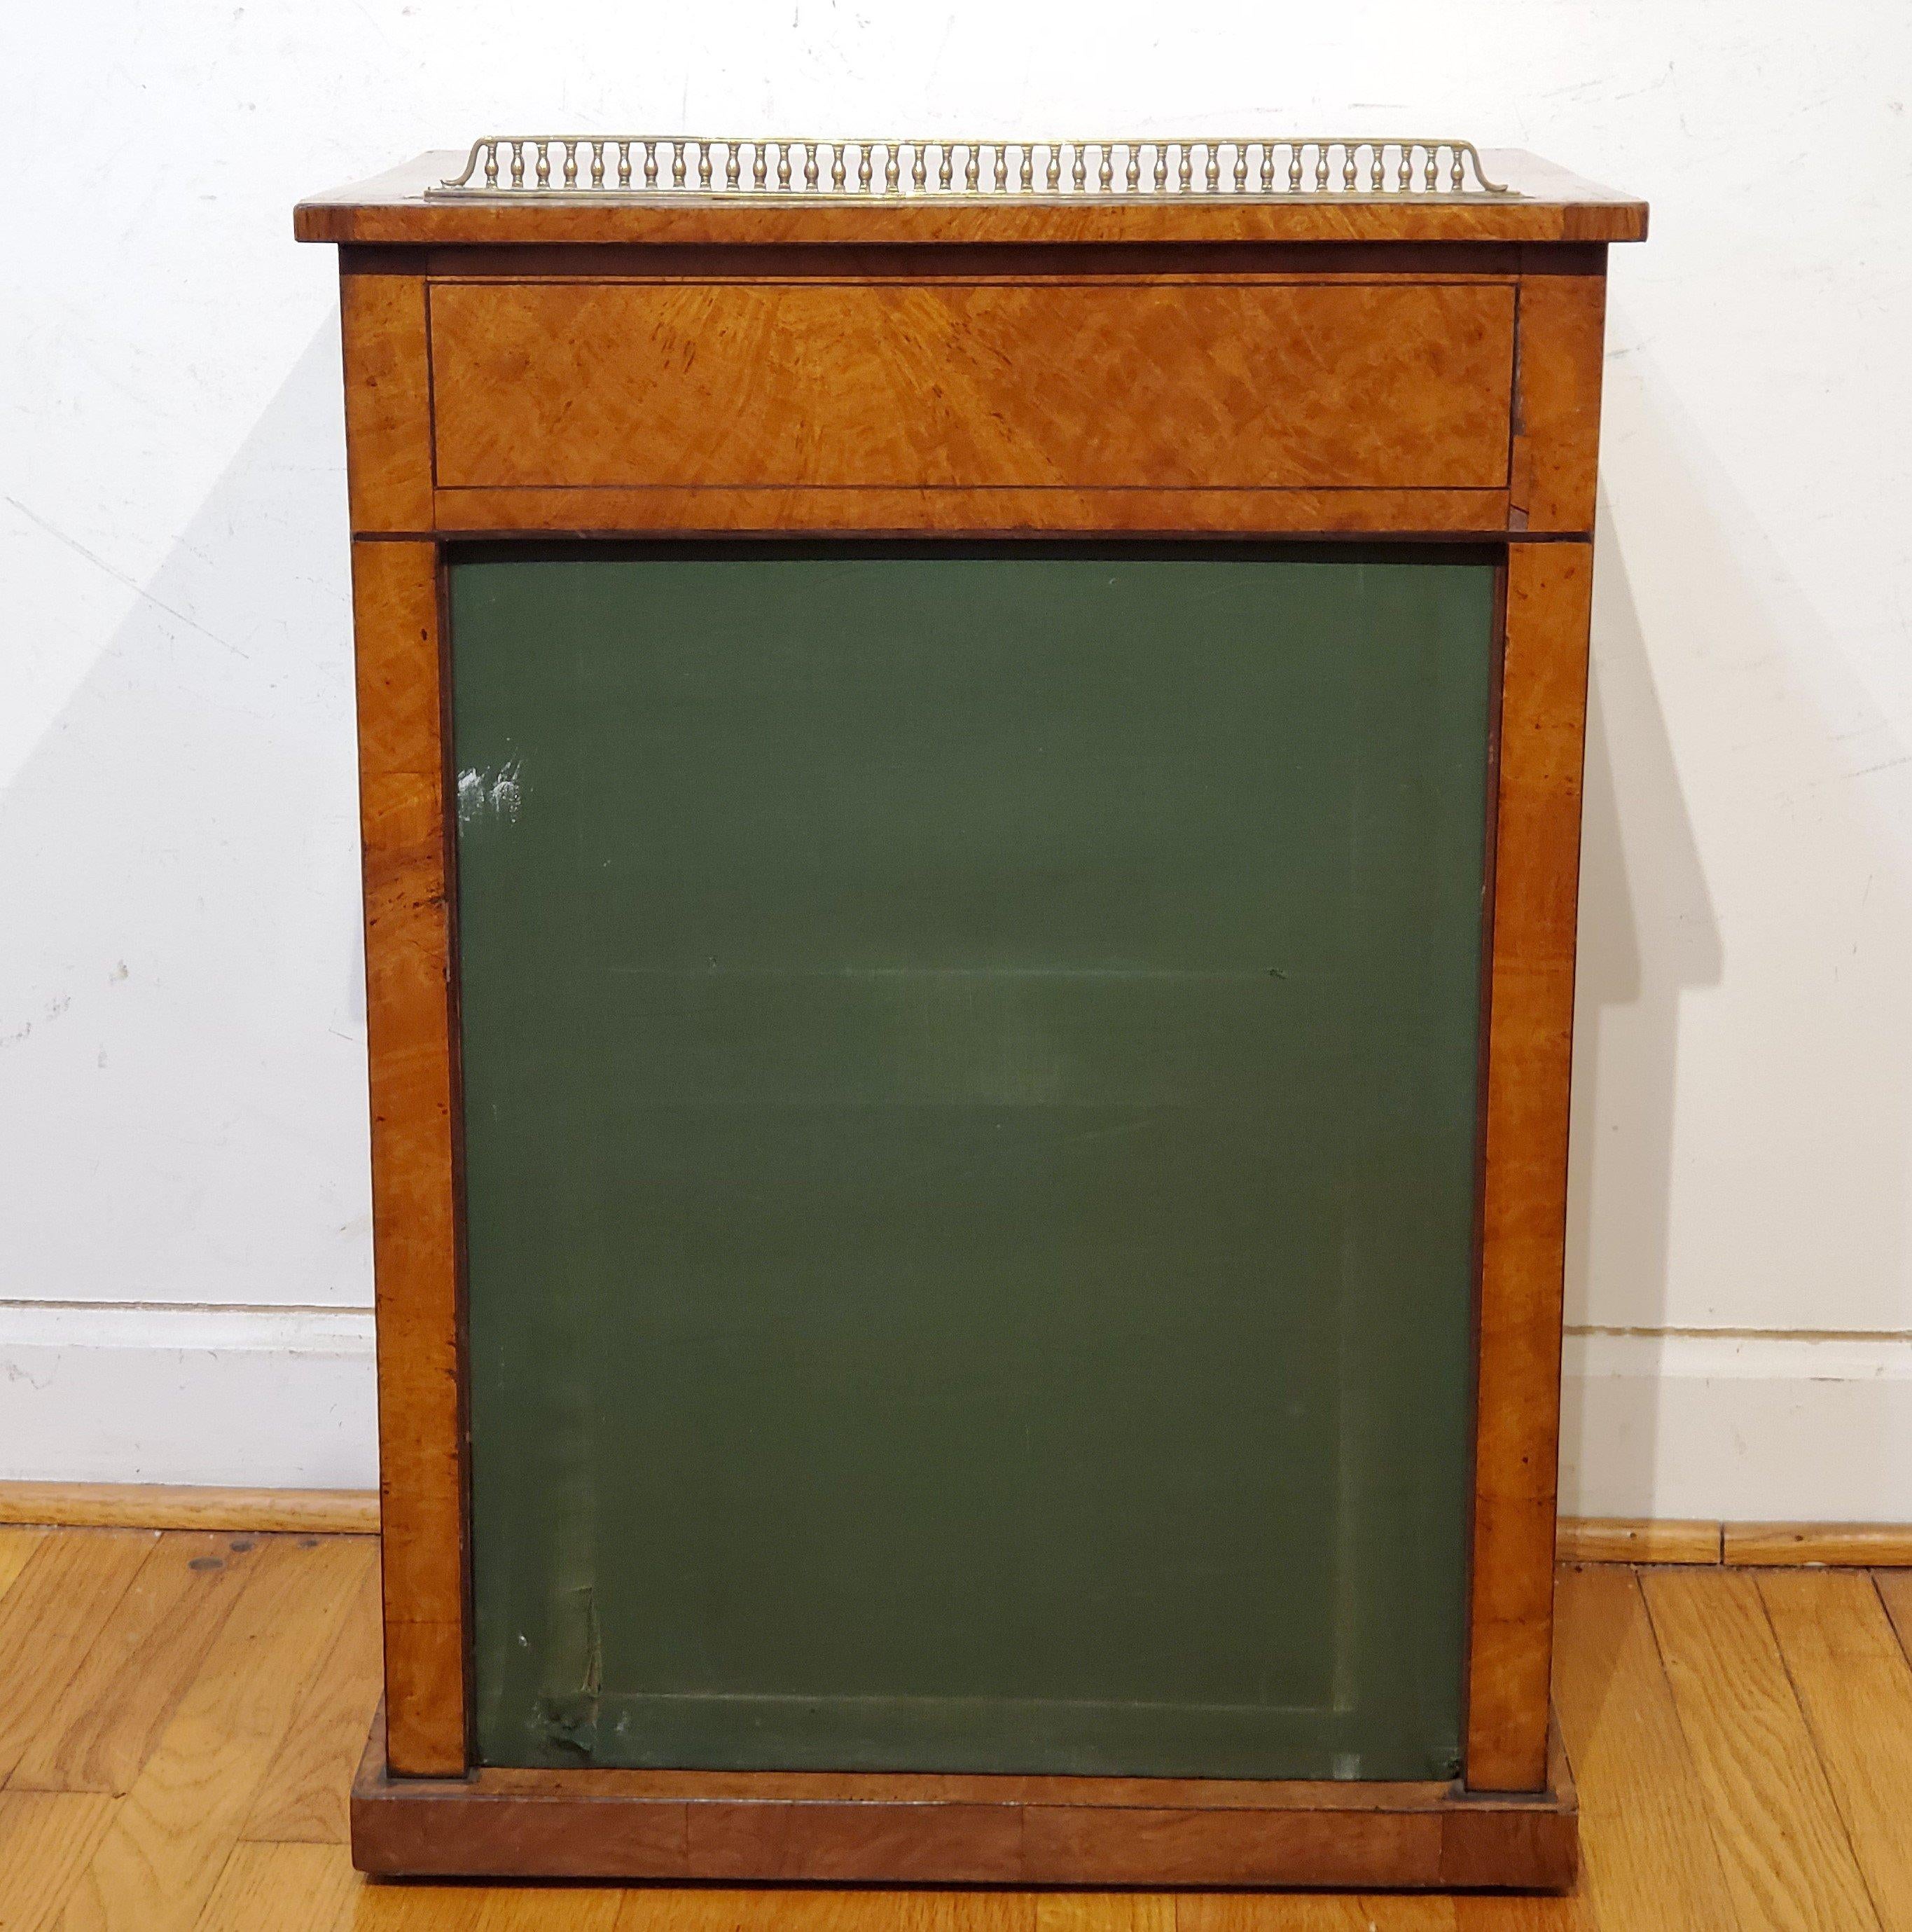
(1104, 1911)
(176, 1828)
(97, 1733)
(771, 1908)
(543, 1908)
(1496, 1912)
(16, 1547)
(68, 1587)
(280, 1889)
(302, 1798)
(45, 1839)
(1647, 1854)
(929, 1911)
(412, 1908)
(1383, 1911)
(1855, 1685)
(1895, 1589)
(1389, 1912)
(1782, 1847)
(1306, 1912)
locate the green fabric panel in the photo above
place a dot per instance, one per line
(970, 1065)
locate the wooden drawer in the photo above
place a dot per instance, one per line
(1073, 385)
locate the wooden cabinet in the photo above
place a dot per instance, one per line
(970, 797)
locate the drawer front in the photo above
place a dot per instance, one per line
(1242, 385)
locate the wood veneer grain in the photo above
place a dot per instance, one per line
(971, 512)
(1524, 1214)
(410, 1026)
(1195, 383)
(387, 397)
(1557, 441)
(855, 1827)
(970, 262)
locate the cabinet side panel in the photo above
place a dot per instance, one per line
(410, 1025)
(388, 399)
(1529, 1053)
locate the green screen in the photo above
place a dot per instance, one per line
(970, 1062)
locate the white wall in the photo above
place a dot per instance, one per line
(182, 1144)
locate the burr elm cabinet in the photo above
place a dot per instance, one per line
(970, 760)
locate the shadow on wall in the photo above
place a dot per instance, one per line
(1774, 1173)
(187, 1123)
(1643, 940)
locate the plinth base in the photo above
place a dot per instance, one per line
(863, 1827)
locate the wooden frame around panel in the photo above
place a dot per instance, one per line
(1511, 1822)
(412, 1043)
(1517, 1404)
(411, 1020)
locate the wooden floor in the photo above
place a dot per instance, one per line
(180, 1714)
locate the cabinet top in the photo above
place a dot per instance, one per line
(686, 189)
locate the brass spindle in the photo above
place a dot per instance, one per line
(1156, 165)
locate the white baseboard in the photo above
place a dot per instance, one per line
(265, 1398)
(1755, 1428)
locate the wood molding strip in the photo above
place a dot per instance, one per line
(1874, 1546)
(1629, 1540)
(181, 1506)
(1779, 1545)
